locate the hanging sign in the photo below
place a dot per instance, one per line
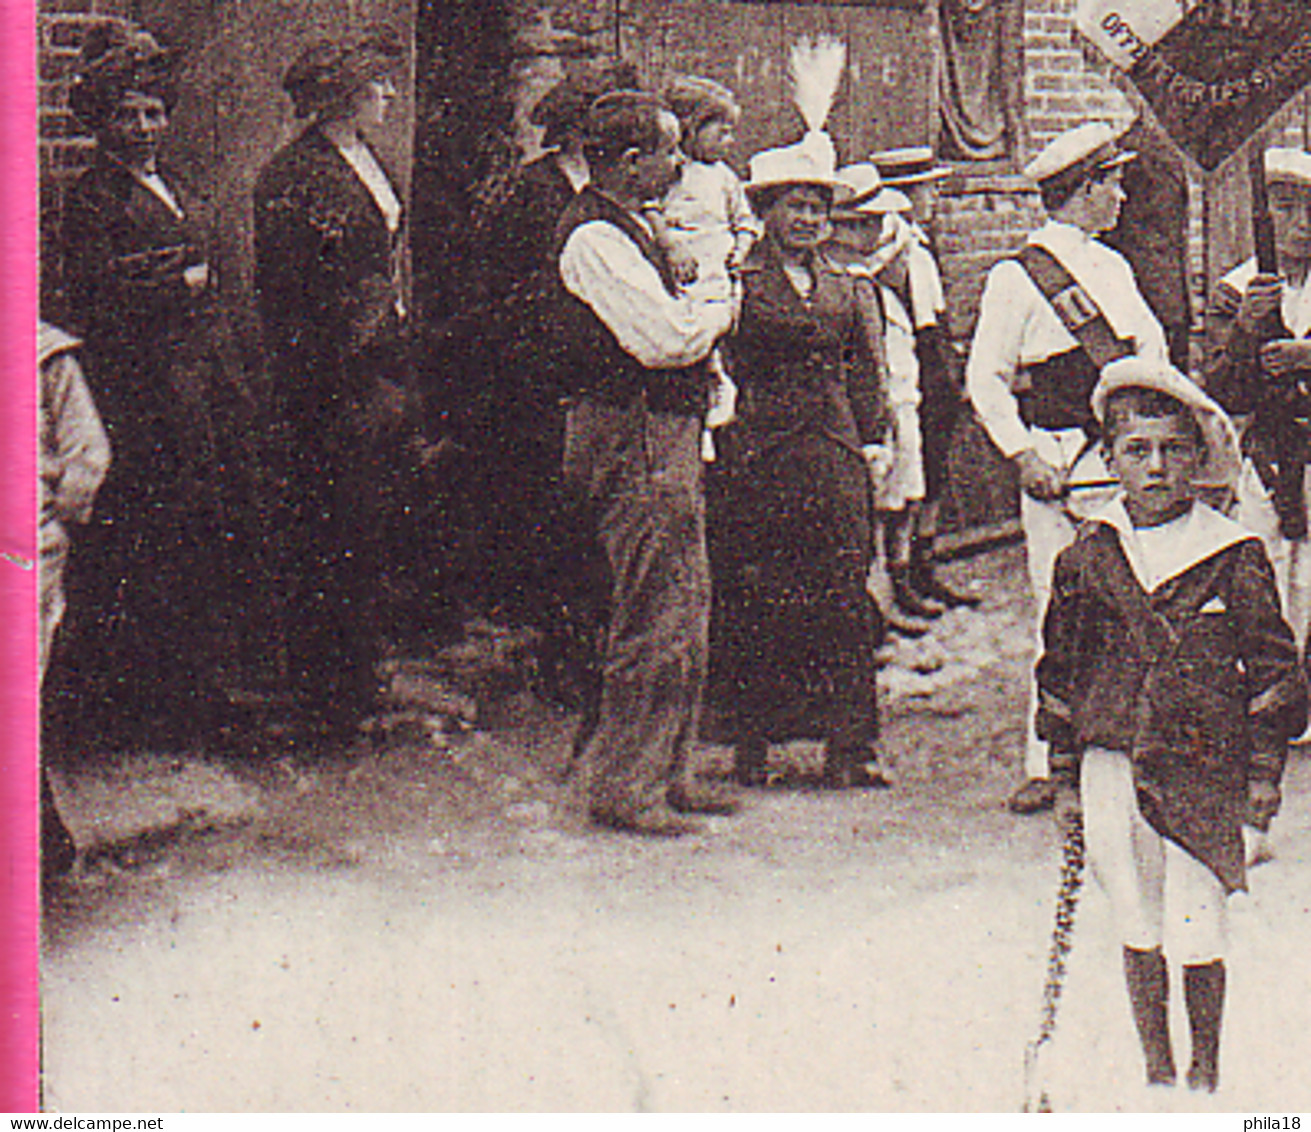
(1212, 70)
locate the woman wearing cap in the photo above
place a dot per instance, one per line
(141, 644)
(329, 248)
(798, 629)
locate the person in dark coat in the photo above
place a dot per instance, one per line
(797, 630)
(1170, 686)
(329, 251)
(1152, 232)
(142, 643)
(538, 566)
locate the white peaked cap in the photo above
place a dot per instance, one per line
(1079, 151)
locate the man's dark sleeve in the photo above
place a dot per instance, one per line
(1231, 371)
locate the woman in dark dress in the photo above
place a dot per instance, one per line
(797, 630)
(143, 635)
(330, 237)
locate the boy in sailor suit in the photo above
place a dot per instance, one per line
(1034, 361)
(1169, 687)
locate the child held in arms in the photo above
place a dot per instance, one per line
(1170, 686)
(705, 224)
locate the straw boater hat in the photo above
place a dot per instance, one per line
(815, 71)
(908, 165)
(1287, 166)
(1072, 156)
(1222, 460)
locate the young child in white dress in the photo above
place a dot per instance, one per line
(705, 224)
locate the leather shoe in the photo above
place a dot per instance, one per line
(908, 601)
(701, 800)
(654, 821)
(909, 628)
(839, 774)
(1033, 797)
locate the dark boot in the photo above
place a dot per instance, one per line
(1148, 980)
(927, 584)
(907, 599)
(1204, 995)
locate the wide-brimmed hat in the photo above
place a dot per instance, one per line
(908, 165)
(118, 57)
(1222, 460)
(329, 71)
(857, 183)
(1287, 166)
(1072, 156)
(811, 161)
(884, 201)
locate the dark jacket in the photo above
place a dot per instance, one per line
(807, 365)
(1199, 682)
(327, 278)
(147, 333)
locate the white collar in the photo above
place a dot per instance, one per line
(1177, 546)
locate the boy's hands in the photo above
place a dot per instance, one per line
(1263, 801)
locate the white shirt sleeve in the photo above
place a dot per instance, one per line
(995, 355)
(604, 268)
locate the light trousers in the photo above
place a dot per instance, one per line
(1150, 881)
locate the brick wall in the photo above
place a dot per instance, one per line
(63, 148)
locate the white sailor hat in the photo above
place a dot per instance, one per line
(858, 182)
(1222, 460)
(908, 165)
(1075, 154)
(1286, 165)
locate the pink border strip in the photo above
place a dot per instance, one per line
(18, 661)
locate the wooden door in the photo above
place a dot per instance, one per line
(885, 97)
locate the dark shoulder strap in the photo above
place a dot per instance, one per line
(1076, 309)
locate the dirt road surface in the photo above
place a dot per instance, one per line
(426, 926)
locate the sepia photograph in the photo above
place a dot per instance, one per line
(673, 556)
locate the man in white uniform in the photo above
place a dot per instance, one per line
(1035, 359)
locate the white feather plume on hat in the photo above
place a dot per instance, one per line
(814, 72)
